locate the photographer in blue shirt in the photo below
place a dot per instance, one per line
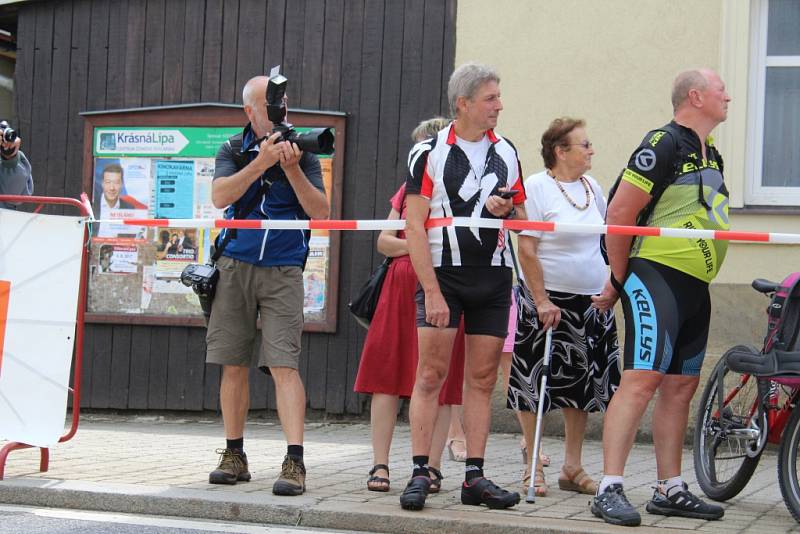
(261, 275)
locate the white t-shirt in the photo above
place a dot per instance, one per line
(476, 152)
(571, 263)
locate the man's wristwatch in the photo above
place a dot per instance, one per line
(511, 213)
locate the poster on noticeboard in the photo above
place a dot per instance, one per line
(166, 173)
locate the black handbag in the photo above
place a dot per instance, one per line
(363, 305)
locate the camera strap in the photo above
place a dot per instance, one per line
(239, 214)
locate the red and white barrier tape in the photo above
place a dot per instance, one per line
(513, 224)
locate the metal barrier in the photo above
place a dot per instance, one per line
(77, 358)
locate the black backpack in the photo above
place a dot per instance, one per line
(239, 158)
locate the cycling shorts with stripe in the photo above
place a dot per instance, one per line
(667, 315)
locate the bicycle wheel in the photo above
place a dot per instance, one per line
(787, 465)
(728, 446)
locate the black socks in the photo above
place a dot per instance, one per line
(420, 466)
(236, 445)
(473, 469)
(295, 452)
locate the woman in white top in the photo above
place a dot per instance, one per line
(561, 272)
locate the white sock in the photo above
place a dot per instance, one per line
(668, 484)
(607, 480)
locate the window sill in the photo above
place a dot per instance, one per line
(765, 210)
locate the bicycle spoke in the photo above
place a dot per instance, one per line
(728, 442)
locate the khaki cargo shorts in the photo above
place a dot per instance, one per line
(243, 292)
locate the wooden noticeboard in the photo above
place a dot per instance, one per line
(159, 163)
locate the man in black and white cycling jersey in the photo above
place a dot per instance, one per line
(466, 170)
(663, 284)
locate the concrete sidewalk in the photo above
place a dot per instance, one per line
(154, 465)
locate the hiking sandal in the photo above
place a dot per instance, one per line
(436, 483)
(376, 483)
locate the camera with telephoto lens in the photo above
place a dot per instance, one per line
(202, 278)
(9, 135)
(316, 140)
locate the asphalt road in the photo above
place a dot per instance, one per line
(28, 520)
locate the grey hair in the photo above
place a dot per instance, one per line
(685, 82)
(428, 128)
(466, 80)
(253, 86)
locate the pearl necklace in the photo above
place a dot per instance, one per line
(566, 195)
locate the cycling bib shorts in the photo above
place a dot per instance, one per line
(667, 315)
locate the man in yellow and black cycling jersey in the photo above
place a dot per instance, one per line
(673, 179)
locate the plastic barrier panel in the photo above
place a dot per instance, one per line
(40, 273)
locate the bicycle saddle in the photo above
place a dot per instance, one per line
(772, 364)
(764, 286)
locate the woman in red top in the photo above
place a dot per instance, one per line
(388, 363)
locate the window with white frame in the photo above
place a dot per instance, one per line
(774, 132)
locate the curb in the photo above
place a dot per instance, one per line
(308, 512)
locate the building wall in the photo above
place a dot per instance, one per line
(383, 62)
(612, 63)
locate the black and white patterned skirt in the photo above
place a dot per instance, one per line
(584, 363)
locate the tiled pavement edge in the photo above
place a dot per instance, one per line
(156, 466)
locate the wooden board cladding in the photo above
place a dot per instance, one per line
(383, 62)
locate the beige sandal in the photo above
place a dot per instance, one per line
(539, 484)
(457, 456)
(578, 481)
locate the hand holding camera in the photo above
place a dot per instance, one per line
(10, 143)
(290, 155)
(274, 150)
(268, 152)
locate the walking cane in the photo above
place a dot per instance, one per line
(537, 440)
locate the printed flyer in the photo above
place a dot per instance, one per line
(121, 191)
(174, 187)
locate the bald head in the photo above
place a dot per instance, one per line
(688, 80)
(254, 91)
